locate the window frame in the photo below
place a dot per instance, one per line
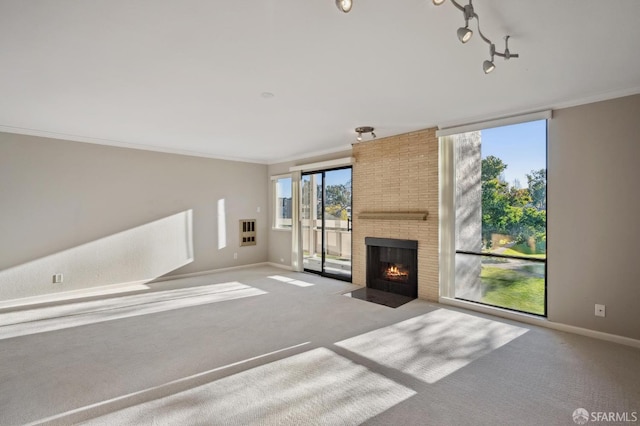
(447, 224)
(275, 210)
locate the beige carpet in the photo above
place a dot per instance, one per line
(429, 347)
(316, 387)
(267, 347)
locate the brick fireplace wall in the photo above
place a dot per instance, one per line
(398, 174)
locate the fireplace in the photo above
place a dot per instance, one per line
(392, 265)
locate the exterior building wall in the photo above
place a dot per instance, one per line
(468, 164)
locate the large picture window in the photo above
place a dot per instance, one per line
(282, 202)
(501, 216)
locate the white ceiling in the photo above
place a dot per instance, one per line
(187, 75)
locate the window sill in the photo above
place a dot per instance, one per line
(281, 229)
(494, 310)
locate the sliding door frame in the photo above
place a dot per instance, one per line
(322, 271)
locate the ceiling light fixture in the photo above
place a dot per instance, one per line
(344, 5)
(364, 129)
(464, 34)
(488, 66)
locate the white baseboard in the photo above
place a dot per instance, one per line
(118, 288)
(542, 322)
(76, 294)
(209, 271)
(593, 333)
(281, 266)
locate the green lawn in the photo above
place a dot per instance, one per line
(517, 251)
(513, 289)
(512, 252)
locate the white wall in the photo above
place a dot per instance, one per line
(593, 213)
(104, 215)
(139, 254)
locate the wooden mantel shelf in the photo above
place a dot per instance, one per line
(393, 215)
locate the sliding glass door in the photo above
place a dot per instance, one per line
(326, 222)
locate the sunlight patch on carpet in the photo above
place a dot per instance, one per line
(291, 281)
(150, 393)
(42, 320)
(317, 387)
(432, 346)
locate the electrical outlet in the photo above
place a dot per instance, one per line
(235, 255)
(600, 310)
(57, 278)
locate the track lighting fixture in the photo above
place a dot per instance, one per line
(464, 34)
(344, 5)
(364, 129)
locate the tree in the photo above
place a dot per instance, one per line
(495, 199)
(519, 197)
(532, 225)
(516, 184)
(338, 199)
(510, 210)
(537, 182)
(492, 168)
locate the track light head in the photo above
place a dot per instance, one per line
(364, 129)
(464, 34)
(488, 66)
(344, 5)
(438, 2)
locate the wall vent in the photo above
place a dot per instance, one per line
(247, 232)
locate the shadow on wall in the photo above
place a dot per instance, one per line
(139, 254)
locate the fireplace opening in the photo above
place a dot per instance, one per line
(393, 272)
(392, 265)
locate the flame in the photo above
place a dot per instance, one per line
(394, 272)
